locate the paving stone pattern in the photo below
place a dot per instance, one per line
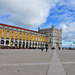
(36, 62)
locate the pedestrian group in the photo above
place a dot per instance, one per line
(46, 46)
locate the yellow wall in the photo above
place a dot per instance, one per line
(10, 34)
(40, 38)
(25, 36)
(0, 33)
(5, 33)
(37, 38)
(28, 37)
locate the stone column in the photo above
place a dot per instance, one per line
(21, 44)
(31, 44)
(18, 43)
(25, 44)
(4, 42)
(14, 43)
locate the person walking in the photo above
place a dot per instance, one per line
(46, 46)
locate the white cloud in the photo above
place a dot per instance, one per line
(68, 45)
(30, 13)
(68, 31)
(64, 28)
(64, 45)
(70, 3)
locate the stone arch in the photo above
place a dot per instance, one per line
(11, 42)
(16, 43)
(23, 44)
(20, 44)
(36, 44)
(30, 45)
(2, 41)
(7, 42)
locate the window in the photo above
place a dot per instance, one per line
(3, 30)
(24, 36)
(20, 35)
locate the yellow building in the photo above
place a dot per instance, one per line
(16, 37)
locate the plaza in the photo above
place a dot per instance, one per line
(36, 62)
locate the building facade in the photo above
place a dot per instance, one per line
(54, 37)
(11, 36)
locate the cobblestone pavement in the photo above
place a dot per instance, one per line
(36, 62)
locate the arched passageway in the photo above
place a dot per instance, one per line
(2, 44)
(19, 44)
(30, 45)
(23, 44)
(11, 42)
(2, 41)
(33, 45)
(16, 43)
(7, 42)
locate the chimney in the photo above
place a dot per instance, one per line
(52, 26)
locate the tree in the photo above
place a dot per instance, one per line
(73, 42)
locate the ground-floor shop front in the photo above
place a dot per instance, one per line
(17, 44)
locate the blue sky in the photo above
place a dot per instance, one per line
(32, 14)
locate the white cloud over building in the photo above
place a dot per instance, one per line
(30, 13)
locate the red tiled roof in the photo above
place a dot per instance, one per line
(17, 27)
